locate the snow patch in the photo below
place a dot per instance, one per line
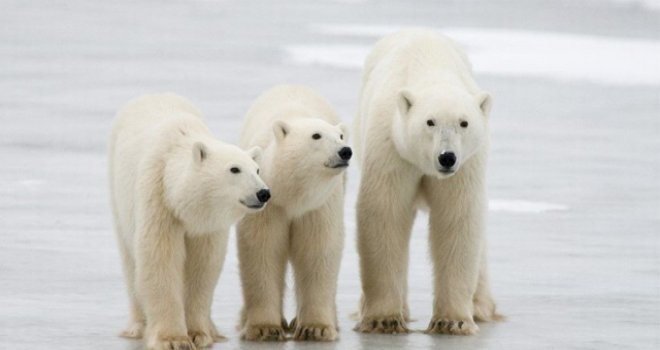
(522, 206)
(503, 52)
(647, 4)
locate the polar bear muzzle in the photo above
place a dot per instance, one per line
(341, 161)
(258, 201)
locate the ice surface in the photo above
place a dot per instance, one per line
(575, 265)
(521, 206)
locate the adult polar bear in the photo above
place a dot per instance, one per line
(422, 138)
(305, 155)
(175, 191)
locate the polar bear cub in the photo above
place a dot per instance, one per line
(305, 155)
(175, 191)
(422, 137)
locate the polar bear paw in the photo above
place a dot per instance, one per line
(485, 310)
(314, 332)
(172, 343)
(453, 327)
(217, 337)
(135, 330)
(264, 333)
(384, 325)
(204, 339)
(206, 335)
(290, 327)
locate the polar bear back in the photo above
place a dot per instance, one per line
(143, 113)
(151, 122)
(414, 54)
(283, 102)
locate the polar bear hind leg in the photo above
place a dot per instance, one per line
(137, 320)
(485, 309)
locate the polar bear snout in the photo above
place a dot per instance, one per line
(447, 160)
(263, 195)
(258, 200)
(345, 153)
(340, 160)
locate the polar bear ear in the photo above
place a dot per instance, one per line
(281, 129)
(255, 153)
(485, 102)
(199, 152)
(344, 130)
(405, 101)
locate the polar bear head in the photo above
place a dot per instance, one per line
(304, 163)
(215, 185)
(312, 146)
(439, 130)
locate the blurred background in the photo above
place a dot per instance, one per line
(574, 171)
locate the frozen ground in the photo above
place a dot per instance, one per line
(574, 173)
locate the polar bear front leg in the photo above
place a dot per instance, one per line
(456, 223)
(160, 257)
(204, 259)
(316, 247)
(263, 240)
(385, 214)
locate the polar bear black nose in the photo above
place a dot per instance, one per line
(447, 159)
(263, 196)
(345, 153)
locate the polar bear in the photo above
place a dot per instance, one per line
(175, 191)
(422, 139)
(305, 155)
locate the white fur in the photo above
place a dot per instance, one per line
(411, 77)
(303, 223)
(173, 199)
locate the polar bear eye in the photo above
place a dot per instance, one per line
(341, 137)
(257, 171)
(464, 124)
(235, 170)
(316, 136)
(430, 122)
